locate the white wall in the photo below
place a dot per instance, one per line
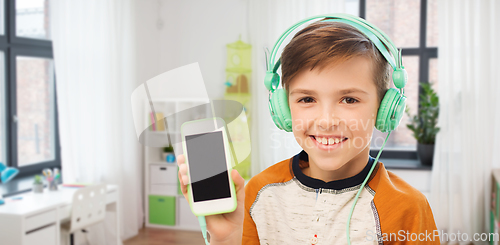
(198, 31)
(147, 40)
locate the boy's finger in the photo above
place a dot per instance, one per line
(185, 179)
(180, 159)
(239, 183)
(183, 186)
(183, 173)
(183, 169)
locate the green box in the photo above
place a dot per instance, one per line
(162, 210)
(497, 213)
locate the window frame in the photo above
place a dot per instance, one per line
(14, 46)
(425, 54)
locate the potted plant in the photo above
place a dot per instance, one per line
(423, 124)
(168, 153)
(38, 184)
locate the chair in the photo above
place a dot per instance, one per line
(88, 208)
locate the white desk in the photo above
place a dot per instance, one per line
(36, 218)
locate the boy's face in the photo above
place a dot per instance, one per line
(340, 102)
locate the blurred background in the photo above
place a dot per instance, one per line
(68, 70)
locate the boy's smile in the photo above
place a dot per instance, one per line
(333, 116)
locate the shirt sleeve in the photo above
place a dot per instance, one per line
(412, 222)
(405, 215)
(250, 235)
(423, 229)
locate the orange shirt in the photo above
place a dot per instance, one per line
(284, 206)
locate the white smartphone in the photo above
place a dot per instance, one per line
(208, 157)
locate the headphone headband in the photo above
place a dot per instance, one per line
(377, 36)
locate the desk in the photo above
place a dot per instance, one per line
(36, 219)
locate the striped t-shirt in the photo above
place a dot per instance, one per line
(285, 206)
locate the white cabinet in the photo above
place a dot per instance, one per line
(44, 236)
(39, 220)
(186, 217)
(161, 181)
(163, 174)
(165, 190)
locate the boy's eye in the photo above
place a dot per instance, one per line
(306, 100)
(349, 100)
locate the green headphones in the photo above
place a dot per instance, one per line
(393, 104)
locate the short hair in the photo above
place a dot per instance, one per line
(325, 43)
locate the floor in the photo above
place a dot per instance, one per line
(153, 236)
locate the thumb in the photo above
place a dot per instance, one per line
(239, 183)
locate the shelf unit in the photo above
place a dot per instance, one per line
(165, 205)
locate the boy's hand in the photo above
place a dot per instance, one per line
(224, 228)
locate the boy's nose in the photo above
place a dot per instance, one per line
(327, 121)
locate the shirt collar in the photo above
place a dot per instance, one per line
(336, 184)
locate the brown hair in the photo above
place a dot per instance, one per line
(324, 43)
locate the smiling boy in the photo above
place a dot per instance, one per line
(335, 79)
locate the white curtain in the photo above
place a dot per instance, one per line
(267, 20)
(469, 81)
(94, 61)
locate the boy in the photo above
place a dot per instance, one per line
(335, 79)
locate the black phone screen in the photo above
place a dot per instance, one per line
(207, 166)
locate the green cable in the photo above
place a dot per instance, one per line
(361, 188)
(203, 225)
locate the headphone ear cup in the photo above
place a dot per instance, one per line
(282, 117)
(399, 112)
(399, 77)
(388, 107)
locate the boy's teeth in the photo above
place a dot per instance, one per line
(328, 141)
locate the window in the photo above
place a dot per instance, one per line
(412, 25)
(29, 138)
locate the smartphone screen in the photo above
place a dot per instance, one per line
(207, 166)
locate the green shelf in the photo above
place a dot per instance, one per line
(162, 210)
